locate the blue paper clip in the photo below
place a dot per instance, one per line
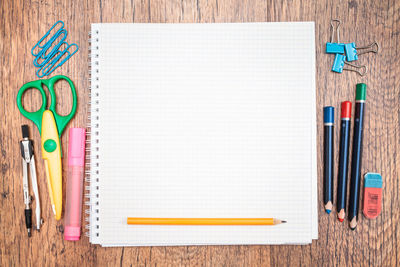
(51, 40)
(339, 64)
(52, 63)
(335, 48)
(51, 55)
(351, 50)
(42, 54)
(57, 41)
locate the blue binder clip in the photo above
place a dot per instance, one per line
(339, 64)
(335, 48)
(351, 50)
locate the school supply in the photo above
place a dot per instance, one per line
(328, 157)
(335, 48)
(345, 53)
(355, 178)
(372, 195)
(76, 166)
(202, 121)
(343, 159)
(352, 52)
(52, 51)
(50, 125)
(203, 221)
(28, 158)
(340, 64)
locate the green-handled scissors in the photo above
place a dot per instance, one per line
(51, 126)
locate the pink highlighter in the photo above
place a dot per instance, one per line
(76, 165)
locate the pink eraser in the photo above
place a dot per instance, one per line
(76, 147)
(372, 195)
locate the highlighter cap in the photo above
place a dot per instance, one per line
(329, 114)
(72, 233)
(346, 110)
(76, 147)
(361, 91)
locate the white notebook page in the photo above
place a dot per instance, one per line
(206, 120)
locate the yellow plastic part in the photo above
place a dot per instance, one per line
(52, 162)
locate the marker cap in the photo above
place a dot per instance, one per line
(329, 114)
(72, 233)
(361, 91)
(76, 147)
(346, 110)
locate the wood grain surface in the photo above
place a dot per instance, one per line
(374, 243)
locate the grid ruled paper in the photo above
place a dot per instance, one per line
(206, 120)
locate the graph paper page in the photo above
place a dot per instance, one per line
(206, 120)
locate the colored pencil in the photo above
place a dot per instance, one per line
(204, 221)
(328, 157)
(354, 198)
(343, 159)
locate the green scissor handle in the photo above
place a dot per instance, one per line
(36, 116)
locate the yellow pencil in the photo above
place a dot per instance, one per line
(204, 221)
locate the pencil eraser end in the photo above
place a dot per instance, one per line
(346, 110)
(361, 91)
(72, 233)
(372, 195)
(76, 147)
(329, 114)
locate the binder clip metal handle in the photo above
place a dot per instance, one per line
(371, 48)
(341, 64)
(333, 28)
(332, 47)
(361, 70)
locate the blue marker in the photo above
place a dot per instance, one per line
(328, 157)
(343, 159)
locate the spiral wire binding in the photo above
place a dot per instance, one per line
(92, 144)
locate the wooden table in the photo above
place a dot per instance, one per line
(374, 243)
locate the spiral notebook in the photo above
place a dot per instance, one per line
(202, 121)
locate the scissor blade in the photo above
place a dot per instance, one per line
(51, 153)
(46, 165)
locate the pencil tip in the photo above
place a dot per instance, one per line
(283, 221)
(341, 215)
(328, 207)
(353, 223)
